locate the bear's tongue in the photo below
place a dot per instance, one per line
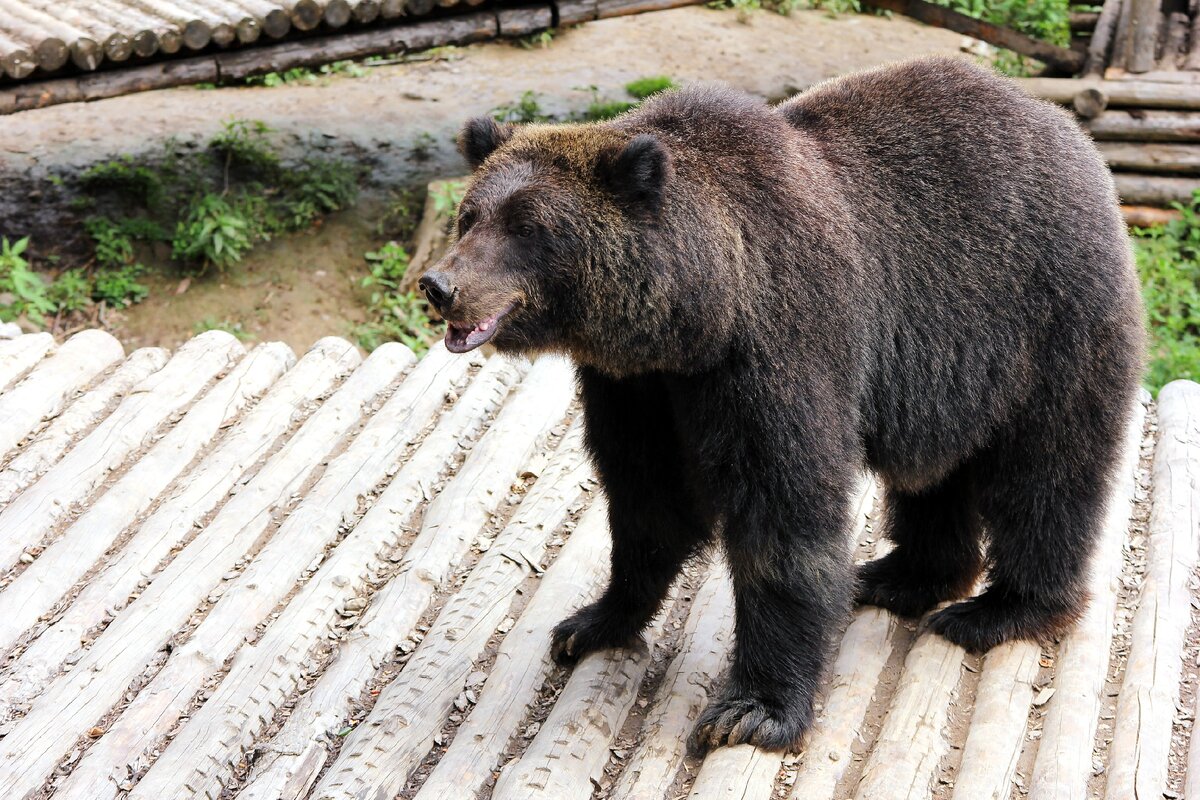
(464, 337)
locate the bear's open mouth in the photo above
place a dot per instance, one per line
(462, 337)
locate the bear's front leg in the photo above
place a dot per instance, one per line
(793, 583)
(655, 526)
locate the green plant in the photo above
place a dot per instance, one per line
(447, 196)
(244, 143)
(600, 108)
(542, 40)
(395, 316)
(1168, 261)
(1048, 20)
(70, 291)
(120, 287)
(646, 87)
(272, 79)
(26, 288)
(524, 109)
(114, 245)
(315, 188)
(214, 231)
(124, 175)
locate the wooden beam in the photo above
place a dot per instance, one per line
(1136, 94)
(1059, 58)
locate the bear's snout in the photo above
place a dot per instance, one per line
(439, 288)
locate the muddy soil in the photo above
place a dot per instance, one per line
(400, 120)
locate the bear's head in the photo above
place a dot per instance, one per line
(580, 239)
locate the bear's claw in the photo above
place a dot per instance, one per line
(744, 719)
(589, 629)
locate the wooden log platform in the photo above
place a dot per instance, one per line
(260, 574)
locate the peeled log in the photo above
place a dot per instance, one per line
(1148, 216)
(195, 33)
(1179, 159)
(1177, 31)
(1102, 37)
(1089, 103)
(1154, 190)
(1146, 126)
(1142, 41)
(15, 58)
(1138, 94)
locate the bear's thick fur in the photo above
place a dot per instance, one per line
(918, 271)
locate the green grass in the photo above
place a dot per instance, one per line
(212, 205)
(1168, 262)
(395, 316)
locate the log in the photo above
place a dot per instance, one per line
(621, 8)
(432, 237)
(1059, 58)
(169, 526)
(390, 9)
(16, 58)
(56, 569)
(49, 52)
(1083, 21)
(1153, 76)
(567, 756)
(1101, 43)
(744, 772)
(1191, 60)
(86, 52)
(1179, 159)
(193, 764)
(1141, 40)
(997, 733)
(34, 514)
(1141, 744)
(80, 416)
(1145, 126)
(44, 391)
(522, 664)
(395, 726)
(1089, 102)
(274, 20)
(366, 11)
(289, 764)
(196, 33)
(18, 356)
(241, 64)
(685, 690)
(903, 764)
(1138, 94)
(1148, 216)
(76, 699)
(573, 12)
(1154, 190)
(419, 8)
(336, 13)
(306, 14)
(515, 22)
(1174, 40)
(93, 21)
(1064, 758)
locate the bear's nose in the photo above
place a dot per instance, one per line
(438, 287)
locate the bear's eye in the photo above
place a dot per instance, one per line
(524, 231)
(466, 218)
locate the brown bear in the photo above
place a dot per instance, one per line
(917, 271)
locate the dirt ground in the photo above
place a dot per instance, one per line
(301, 288)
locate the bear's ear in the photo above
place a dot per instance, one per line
(480, 137)
(638, 172)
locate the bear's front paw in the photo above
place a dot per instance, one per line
(590, 628)
(742, 718)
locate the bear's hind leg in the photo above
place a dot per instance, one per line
(937, 555)
(1042, 509)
